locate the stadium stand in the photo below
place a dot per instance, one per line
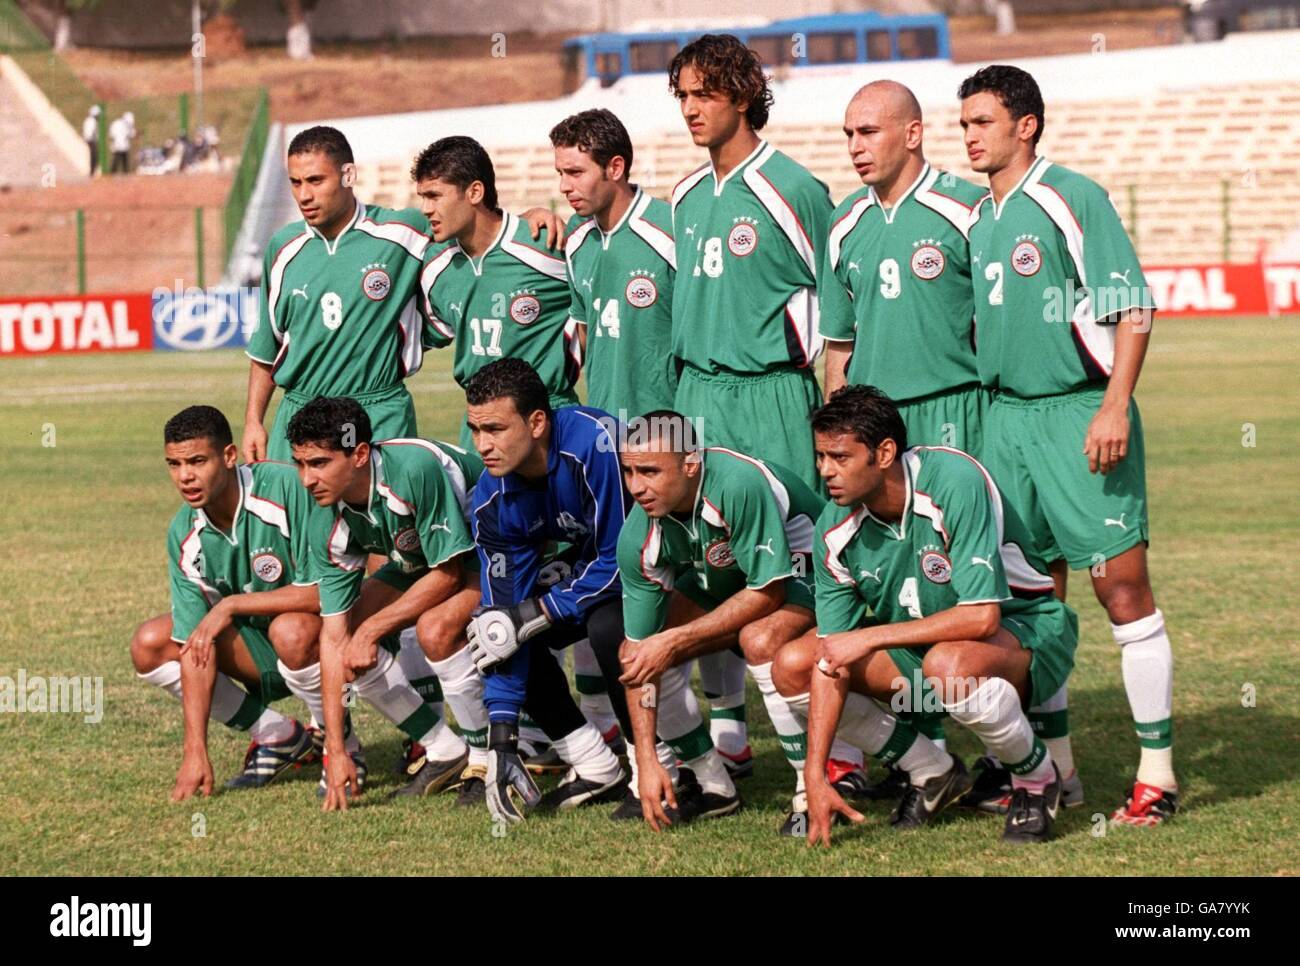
(1171, 162)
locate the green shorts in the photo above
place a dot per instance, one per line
(557, 400)
(763, 415)
(954, 418)
(391, 412)
(272, 686)
(394, 576)
(1034, 450)
(797, 590)
(1051, 635)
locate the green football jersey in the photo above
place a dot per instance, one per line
(749, 248)
(752, 523)
(419, 498)
(513, 300)
(622, 289)
(267, 546)
(343, 317)
(1054, 271)
(958, 542)
(897, 285)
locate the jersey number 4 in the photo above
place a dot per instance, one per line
(909, 597)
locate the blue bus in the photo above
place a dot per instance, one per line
(844, 38)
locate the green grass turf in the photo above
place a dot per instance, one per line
(82, 539)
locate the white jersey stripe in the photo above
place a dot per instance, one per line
(410, 323)
(842, 228)
(428, 278)
(276, 281)
(952, 210)
(689, 182)
(653, 235)
(398, 233)
(1099, 340)
(780, 210)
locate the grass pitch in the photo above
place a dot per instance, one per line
(82, 534)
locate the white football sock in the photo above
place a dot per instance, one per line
(593, 699)
(271, 728)
(1148, 667)
(586, 752)
(667, 758)
(789, 730)
(462, 686)
(166, 676)
(305, 684)
(992, 712)
(722, 676)
(385, 687)
(419, 671)
(1041, 715)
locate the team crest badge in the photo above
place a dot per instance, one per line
(641, 292)
(719, 555)
(936, 567)
(407, 540)
(525, 309)
(268, 567)
(927, 261)
(743, 239)
(1026, 259)
(376, 284)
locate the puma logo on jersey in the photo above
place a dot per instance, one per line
(440, 526)
(863, 575)
(980, 561)
(855, 267)
(690, 230)
(1117, 523)
(1123, 278)
(455, 307)
(586, 283)
(299, 291)
(765, 547)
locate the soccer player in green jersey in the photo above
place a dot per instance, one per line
(487, 285)
(749, 228)
(405, 499)
(341, 305)
(621, 263)
(964, 619)
(715, 555)
(619, 247)
(896, 307)
(1062, 319)
(240, 587)
(896, 295)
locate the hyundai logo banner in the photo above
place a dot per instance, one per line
(188, 319)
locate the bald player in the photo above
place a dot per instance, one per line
(897, 307)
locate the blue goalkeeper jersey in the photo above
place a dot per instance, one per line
(582, 502)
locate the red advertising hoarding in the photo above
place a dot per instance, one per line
(45, 324)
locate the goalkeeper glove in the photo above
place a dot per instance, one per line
(496, 633)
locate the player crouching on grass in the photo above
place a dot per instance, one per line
(240, 587)
(715, 555)
(922, 539)
(397, 498)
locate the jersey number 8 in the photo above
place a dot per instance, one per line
(331, 310)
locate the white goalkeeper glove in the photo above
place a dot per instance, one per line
(496, 633)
